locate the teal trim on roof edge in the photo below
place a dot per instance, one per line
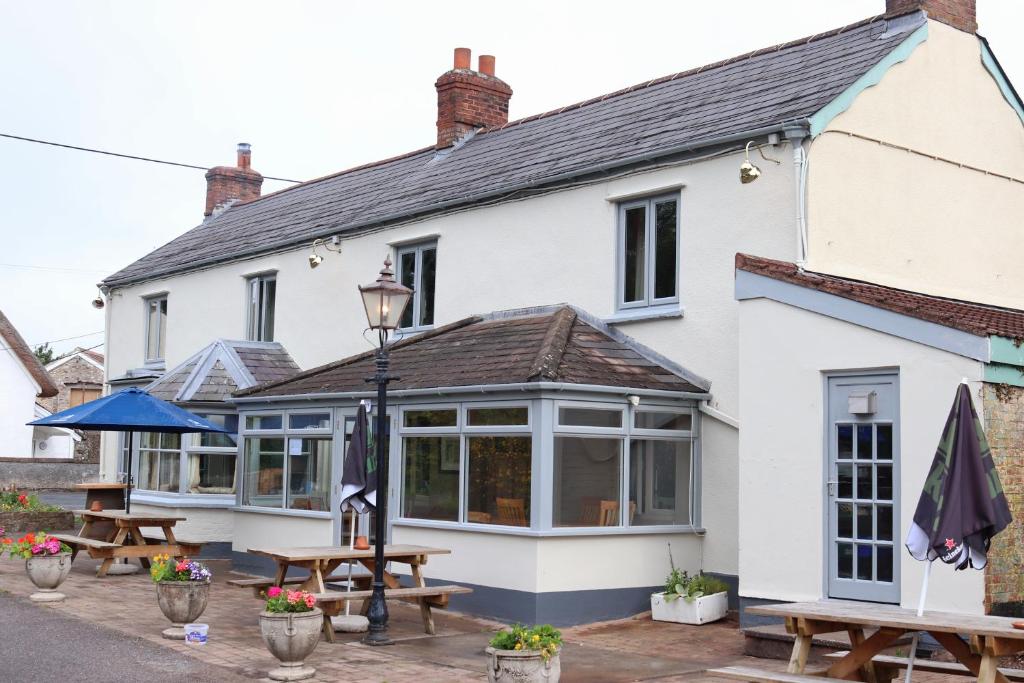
(989, 60)
(997, 373)
(1005, 350)
(824, 116)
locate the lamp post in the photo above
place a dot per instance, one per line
(385, 301)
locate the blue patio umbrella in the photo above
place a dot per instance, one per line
(129, 411)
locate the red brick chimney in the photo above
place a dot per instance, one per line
(467, 99)
(960, 14)
(225, 184)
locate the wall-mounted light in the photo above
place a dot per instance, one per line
(334, 245)
(98, 302)
(748, 171)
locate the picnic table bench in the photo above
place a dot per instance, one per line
(322, 561)
(988, 638)
(126, 538)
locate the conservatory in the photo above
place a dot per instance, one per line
(552, 454)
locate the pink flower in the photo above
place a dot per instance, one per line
(294, 596)
(273, 591)
(310, 601)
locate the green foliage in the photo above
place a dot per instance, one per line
(44, 353)
(679, 584)
(13, 500)
(546, 639)
(280, 600)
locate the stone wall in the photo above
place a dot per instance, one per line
(16, 523)
(36, 473)
(1004, 418)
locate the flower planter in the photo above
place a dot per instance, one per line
(291, 637)
(48, 572)
(182, 602)
(522, 666)
(700, 611)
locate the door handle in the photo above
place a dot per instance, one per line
(832, 487)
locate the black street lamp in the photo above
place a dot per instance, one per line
(385, 301)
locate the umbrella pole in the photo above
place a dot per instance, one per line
(128, 474)
(351, 545)
(920, 612)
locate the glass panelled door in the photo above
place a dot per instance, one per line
(862, 488)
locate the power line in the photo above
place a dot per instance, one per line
(54, 341)
(125, 156)
(50, 267)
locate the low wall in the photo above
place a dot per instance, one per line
(36, 473)
(15, 523)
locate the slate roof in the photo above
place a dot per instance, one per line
(967, 316)
(11, 340)
(555, 344)
(222, 368)
(634, 126)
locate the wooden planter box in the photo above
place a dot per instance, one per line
(701, 611)
(20, 522)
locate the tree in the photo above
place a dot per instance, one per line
(44, 353)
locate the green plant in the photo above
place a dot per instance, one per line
(13, 500)
(280, 600)
(32, 545)
(546, 639)
(679, 584)
(164, 568)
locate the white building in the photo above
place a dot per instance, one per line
(23, 379)
(629, 208)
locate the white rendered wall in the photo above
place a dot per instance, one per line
(885, 215)
(18, 393)
(784, 353)
(545, 250)
(207, 525)
(261, 530)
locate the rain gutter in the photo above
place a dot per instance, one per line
(440, 207)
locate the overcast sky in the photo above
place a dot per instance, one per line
(315, 87)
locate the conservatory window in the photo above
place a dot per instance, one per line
(212, 457)
(587, 481)
(159, 461)
(288, 468)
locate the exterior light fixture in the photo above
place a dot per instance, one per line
(385, 301)
(316, 259)
(748, 171)
(98, 302)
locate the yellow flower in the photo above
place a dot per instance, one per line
(536, 637)
(519, 646)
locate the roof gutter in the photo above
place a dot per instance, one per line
(477, 389)
(440, 207)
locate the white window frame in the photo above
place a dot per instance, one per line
(256, 306)
(417, 298)
(161, 345)
(190, 445)
(648, 301)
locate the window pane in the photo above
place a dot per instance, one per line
(499, 480)
(428, 266)
(156, 327)
(864, 482)
(407, 276)
(644, 419)
(845, 560)
(310, 421)
(844, 435)
(844, 520)
(587, 481)
(431, 418)
(845, 481)
(635, 254)
(864, 562)
(884, 482)
(162, 324)
(263, 422)
(211, 473)
(309, 474)
(865, 530)
(883, 440)
(171, 441)
(486, 417)
(589, 417)
(148, 477)
(264, 472)
(884, 555)
(665, 250)
(149, 440)
(884, 523)
(213, 440)
(268, 306)
(431, 477)
(659, 482)
(864, 442)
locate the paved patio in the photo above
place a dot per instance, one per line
(628, 650)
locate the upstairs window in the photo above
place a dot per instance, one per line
(417, 267)
(648, 252)
(156, 328)
(262, 290)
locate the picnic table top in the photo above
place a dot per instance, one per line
(130, 517)
(99, 485)
(871, 614)
(333, 552)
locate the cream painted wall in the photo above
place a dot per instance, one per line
(202, 524)
(259, 530)
(784, 352)
(18, 393)
(888, 216)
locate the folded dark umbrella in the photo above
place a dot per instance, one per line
(359, 475)
(962, 505)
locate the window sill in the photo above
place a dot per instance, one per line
(650, 313)
(406, 332)
(189, 500)
(312, 514)
(550, 533)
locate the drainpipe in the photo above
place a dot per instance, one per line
(796, 135)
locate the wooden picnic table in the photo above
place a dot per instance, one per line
(988, 637)
(126, 538)
(322, 561)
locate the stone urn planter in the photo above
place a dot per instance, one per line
(48, 572)
(291, 637)
(522, 666)
(182, 602)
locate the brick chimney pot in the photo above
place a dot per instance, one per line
(467, 99)
(227, 184)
